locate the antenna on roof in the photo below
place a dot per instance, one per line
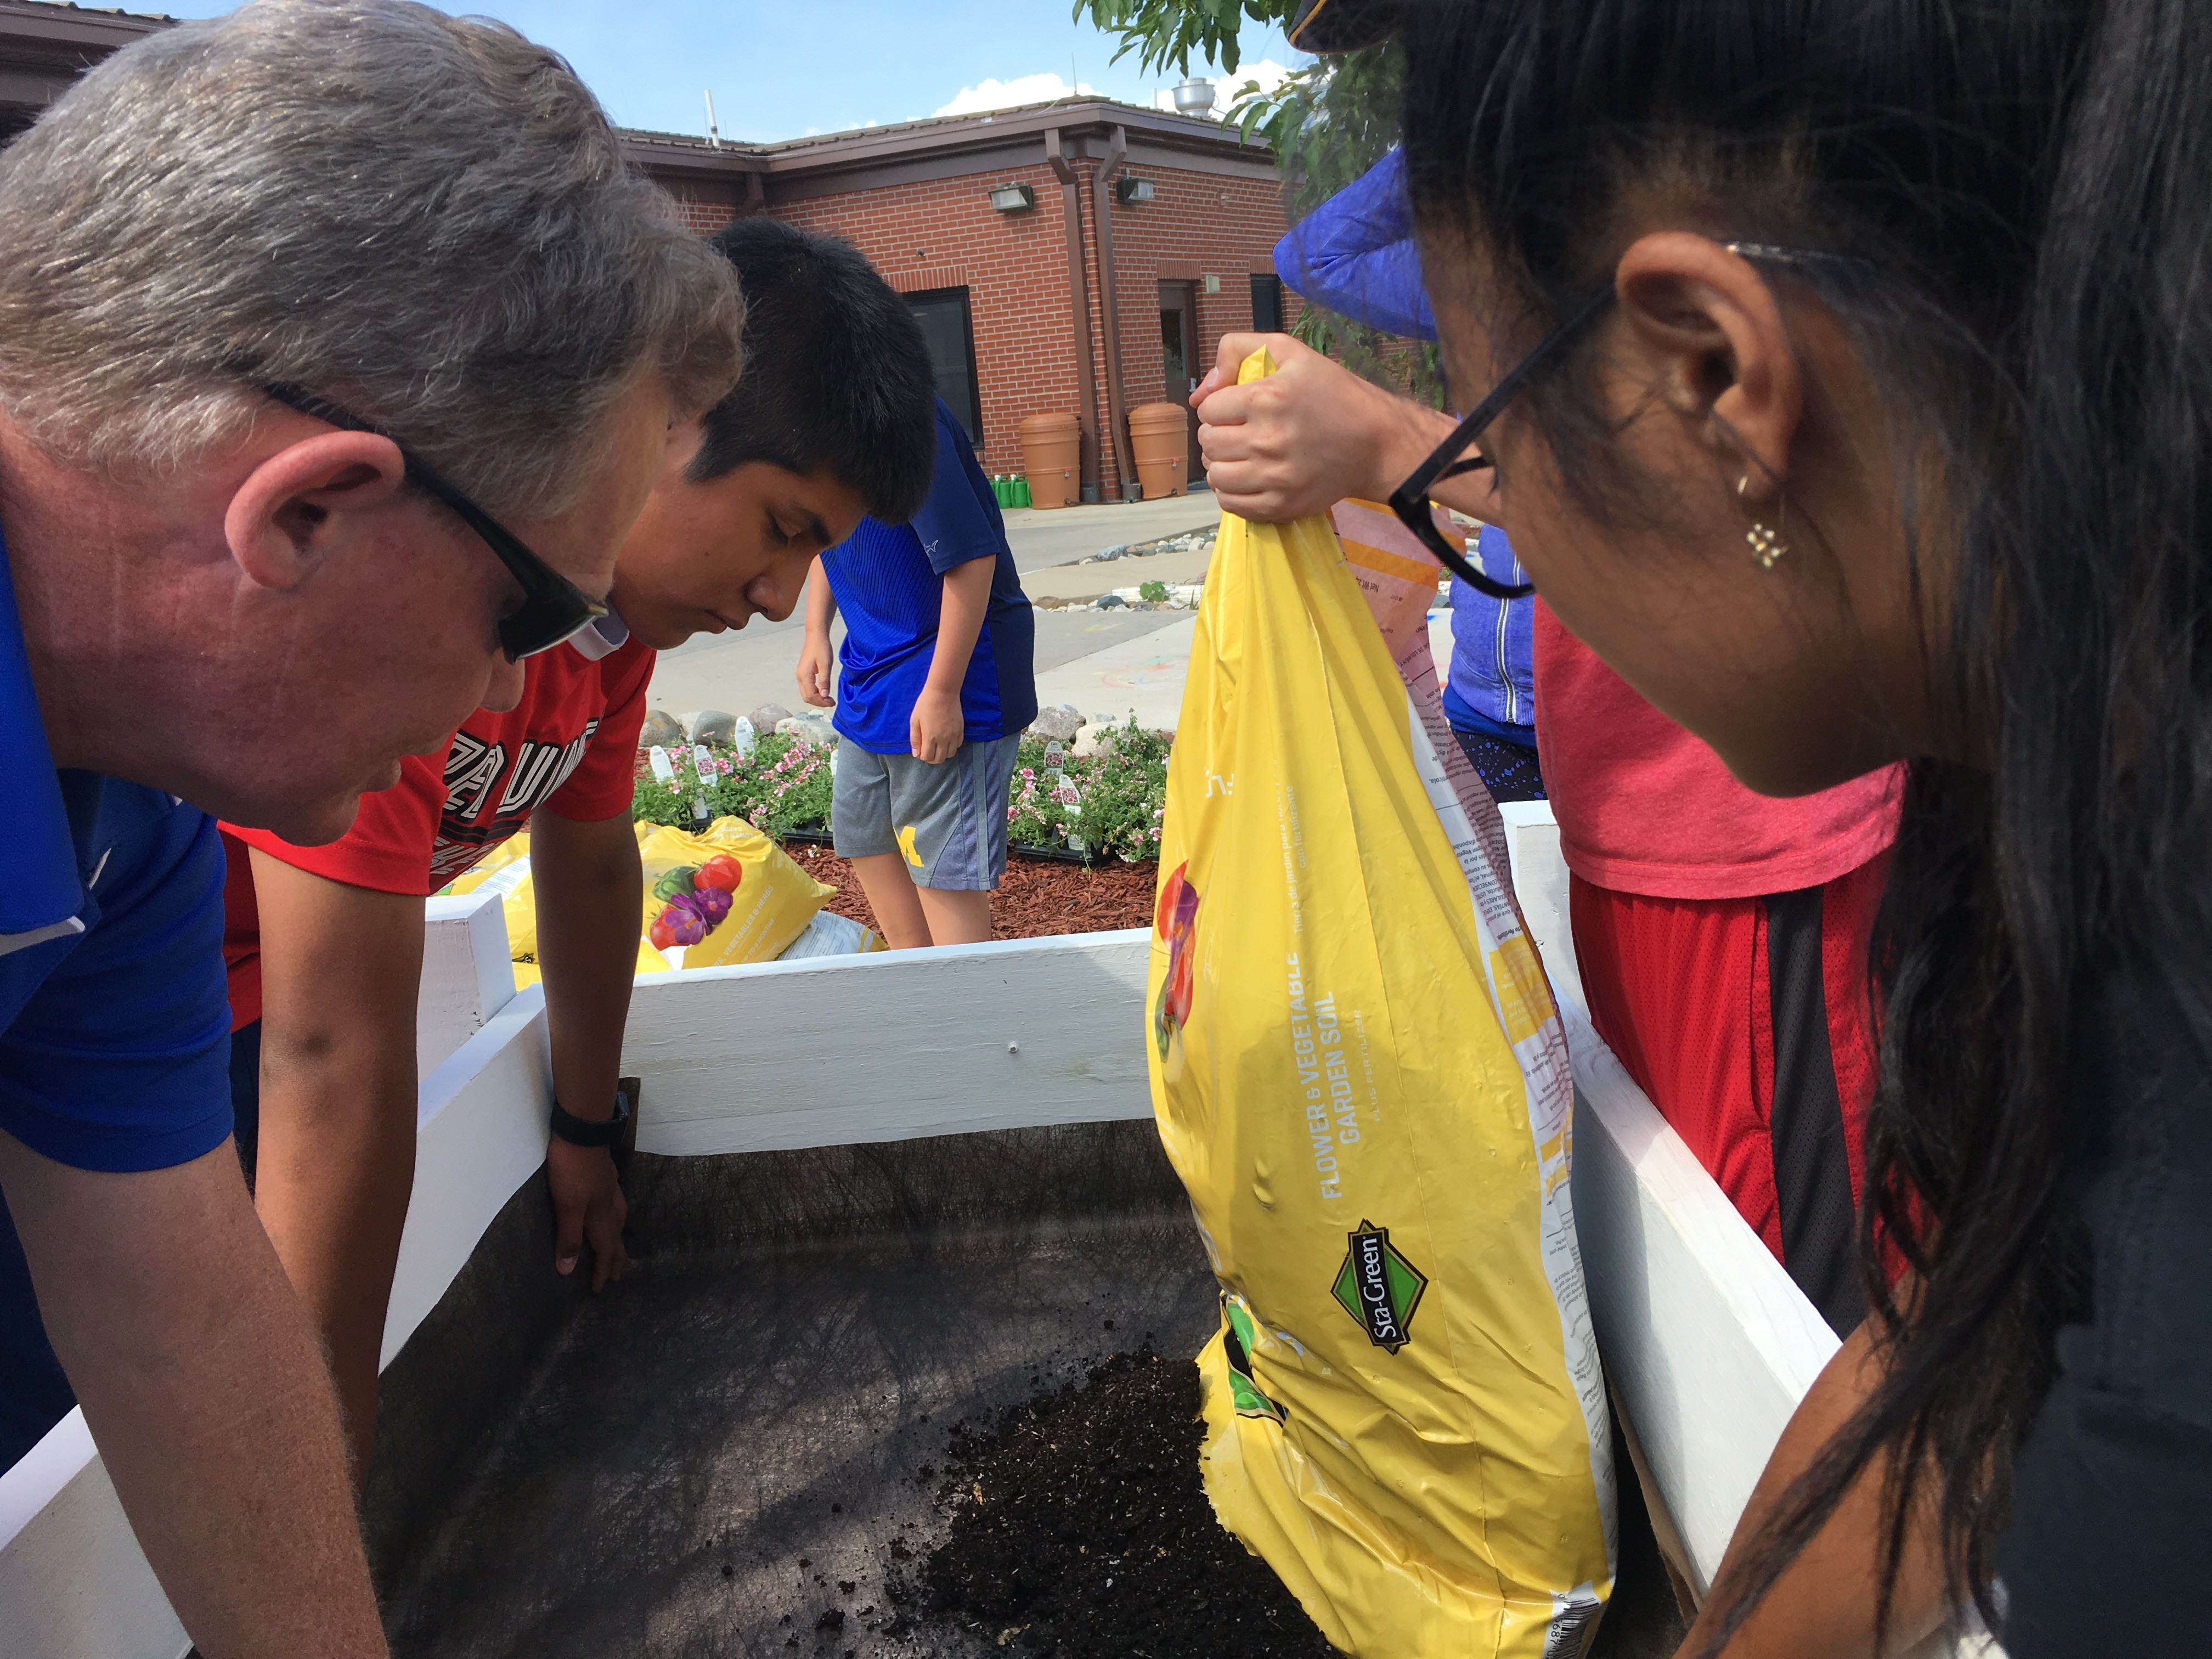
(713, 138)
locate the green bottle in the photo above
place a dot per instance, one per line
(1021, 491)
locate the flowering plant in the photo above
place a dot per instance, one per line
(1109, 801)
(781, 786)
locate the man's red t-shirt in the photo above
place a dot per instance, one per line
(569, 745)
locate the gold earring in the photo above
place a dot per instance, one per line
(1766, 545)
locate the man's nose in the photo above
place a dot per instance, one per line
(504, 689)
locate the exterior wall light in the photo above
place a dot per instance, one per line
(1131, 192)
(1013, 199)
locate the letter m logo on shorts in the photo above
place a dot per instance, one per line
(1378, 1287)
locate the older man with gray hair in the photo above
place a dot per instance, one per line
(338, 347)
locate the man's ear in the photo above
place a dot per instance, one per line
(292, 507)
(1709, 325)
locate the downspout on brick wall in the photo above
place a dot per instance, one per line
(1102, 196)
(1078, 300)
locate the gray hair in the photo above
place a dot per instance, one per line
(426, 219)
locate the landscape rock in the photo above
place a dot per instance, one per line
(661, 729)
(1060, 724)
(812, 730)
(1112, 602)
(714, 727)
(768, 716)
(1106, 553)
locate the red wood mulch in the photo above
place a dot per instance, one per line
(1036, 899)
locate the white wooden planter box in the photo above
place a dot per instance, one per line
(1707, 1343)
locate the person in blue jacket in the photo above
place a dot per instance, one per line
(1355, 254)
(1490, 695)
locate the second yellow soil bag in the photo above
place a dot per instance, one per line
(1360, 1076)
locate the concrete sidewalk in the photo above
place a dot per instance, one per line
(1142, 676)
(1064, 535)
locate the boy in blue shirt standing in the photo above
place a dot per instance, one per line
(938, 681)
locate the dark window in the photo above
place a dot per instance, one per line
(943, 315)
(1266, 305)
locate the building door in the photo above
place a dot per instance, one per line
(950, 339)
(1179, 357)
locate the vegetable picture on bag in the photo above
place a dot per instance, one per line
(723, 897)
(697, 898)
(1174, 918)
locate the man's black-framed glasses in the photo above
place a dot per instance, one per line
(1410, 501)
(553, 608)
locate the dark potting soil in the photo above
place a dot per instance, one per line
(1078, 1526)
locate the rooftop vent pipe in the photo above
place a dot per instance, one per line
(1195, 96)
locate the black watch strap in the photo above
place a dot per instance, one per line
(582, 1132)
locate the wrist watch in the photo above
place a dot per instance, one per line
(582, 1132)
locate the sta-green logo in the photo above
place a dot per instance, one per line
(1378, 1287)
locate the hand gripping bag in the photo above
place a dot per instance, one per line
(1359, 1074)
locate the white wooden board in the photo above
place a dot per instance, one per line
(1709, 1343)
(466, 975)
(1707, 1340)
(1540, 884)
(843, 1050)
(73, 1584)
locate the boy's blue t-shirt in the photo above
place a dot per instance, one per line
(889, 581)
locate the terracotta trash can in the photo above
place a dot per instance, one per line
(1159, 441)
(1051, 458)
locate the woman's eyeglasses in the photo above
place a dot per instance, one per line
(1410, 501)
(553, 608)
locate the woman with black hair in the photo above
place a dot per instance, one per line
(1853, 398)
(1870, 421)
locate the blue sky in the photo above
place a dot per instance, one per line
(780, 69)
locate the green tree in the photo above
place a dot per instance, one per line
(1327, 124)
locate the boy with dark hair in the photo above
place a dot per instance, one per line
(937, 682)
(830, 421)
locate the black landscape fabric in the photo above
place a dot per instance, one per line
(768, 1441)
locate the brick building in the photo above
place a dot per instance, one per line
(997, 229)
(1084, 256)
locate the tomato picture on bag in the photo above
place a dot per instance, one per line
(698, 898)
(1175, 919)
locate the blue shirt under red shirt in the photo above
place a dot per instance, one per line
(114, 1030)
(889, 581)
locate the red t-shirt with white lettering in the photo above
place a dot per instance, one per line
(570, 745)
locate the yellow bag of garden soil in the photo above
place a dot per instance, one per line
(737, 896)
(1360, 1076)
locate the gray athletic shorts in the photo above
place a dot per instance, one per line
(948, 819)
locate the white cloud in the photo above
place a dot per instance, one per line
(1005, 94)
(1267, 72)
